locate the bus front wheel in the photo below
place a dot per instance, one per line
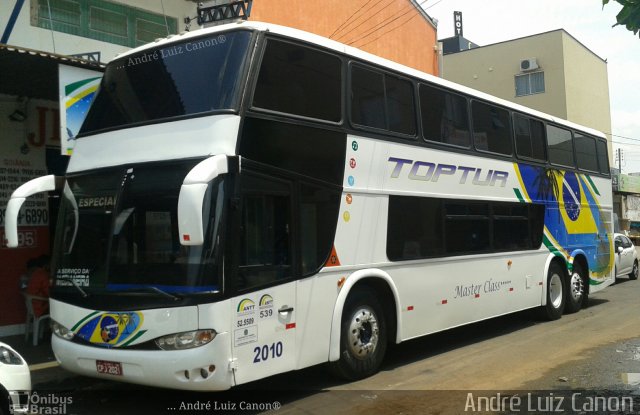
(555, 293)
(363, 336)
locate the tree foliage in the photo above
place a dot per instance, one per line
(629, 16)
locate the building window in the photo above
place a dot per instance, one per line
(529, 84)
(102, 20)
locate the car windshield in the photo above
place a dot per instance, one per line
(195, 76)
(118, 231)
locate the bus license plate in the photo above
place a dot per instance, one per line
(109, 368)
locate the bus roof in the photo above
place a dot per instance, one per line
(360, 54)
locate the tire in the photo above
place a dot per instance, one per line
(576, 289)
(363, 336)
(634, 271)
(556, 287)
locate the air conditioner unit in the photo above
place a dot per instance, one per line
(528, 64)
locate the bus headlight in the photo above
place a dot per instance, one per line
(61, 331)
(186, 340)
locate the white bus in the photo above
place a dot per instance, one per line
(250, 199)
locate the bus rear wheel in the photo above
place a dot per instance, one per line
(555, 293)
(363, 336)
(576, 291)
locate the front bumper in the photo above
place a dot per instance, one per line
(202, 368)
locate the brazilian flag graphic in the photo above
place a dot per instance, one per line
(574, 222)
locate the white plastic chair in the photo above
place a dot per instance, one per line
(33, 322)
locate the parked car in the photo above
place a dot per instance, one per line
(15, 382)
(626, 257)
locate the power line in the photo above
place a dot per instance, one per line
(382, 24)
(387, 22)
(389, 31)
(349, 18)
(365, 21)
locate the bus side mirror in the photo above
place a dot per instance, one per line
(191, 198)
(30, 188)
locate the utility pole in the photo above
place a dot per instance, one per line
(619, 156)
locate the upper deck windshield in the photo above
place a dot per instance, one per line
(118, 232)
(195, 76)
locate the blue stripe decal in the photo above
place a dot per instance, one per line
(12, 21)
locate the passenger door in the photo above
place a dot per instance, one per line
(264, 311)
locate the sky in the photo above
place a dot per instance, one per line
(492, 21)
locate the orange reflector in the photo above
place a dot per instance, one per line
(341, 282)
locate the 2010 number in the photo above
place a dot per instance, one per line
(267, 352)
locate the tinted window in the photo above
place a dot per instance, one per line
(414, 228)
(467, 227)
(560, 148)
(160, 83)
(318, 218)
(444, 116)
(400, 106)
(382, 101)
(586, 156)
(529, 137)
(603, 157)
(265, 240)
(314, 152)
(300, 81)
(367, 98)
(491, 128)
(420, 227)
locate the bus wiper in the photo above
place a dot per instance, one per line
(74, 283)
(157, 290)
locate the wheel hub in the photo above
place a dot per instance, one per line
(363, 333)
(577, 286)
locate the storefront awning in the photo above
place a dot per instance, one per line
(34, 74)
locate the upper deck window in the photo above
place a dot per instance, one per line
(560, 146)
(191, 77)
(529, 137)
(444, 116)
(298, 80)
(491, 128)
(586, 156)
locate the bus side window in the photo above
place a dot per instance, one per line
(491, 130)
(586, 156)
(603, 158)
(265, 244)
(529, 137)
(560, 146)
(444, 116)
(298, 80)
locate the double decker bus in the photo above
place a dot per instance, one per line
(250, 199)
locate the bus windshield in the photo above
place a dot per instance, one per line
(191, 77)
(118, 232)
